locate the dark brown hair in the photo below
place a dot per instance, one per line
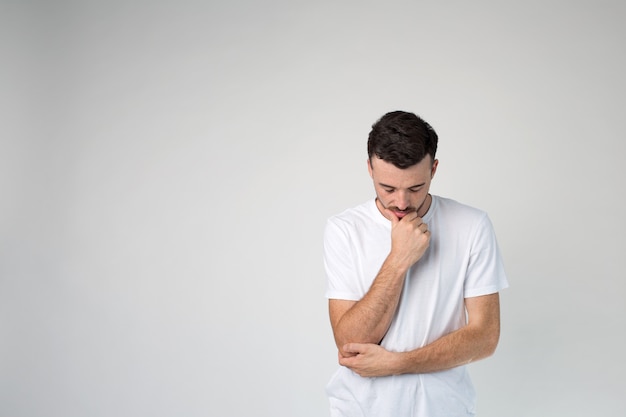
(402, 138)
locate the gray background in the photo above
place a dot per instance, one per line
(167, 167)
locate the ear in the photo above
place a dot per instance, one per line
(369, 167)
(434, 168)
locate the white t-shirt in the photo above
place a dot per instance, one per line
(462, 261)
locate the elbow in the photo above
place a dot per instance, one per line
(340, 346)
(487, 349)
(341, 340)
(342, 343)
(490, 350)
(485, 343)
(491, 343)
(344, 339)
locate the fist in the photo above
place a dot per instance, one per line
(410, 238)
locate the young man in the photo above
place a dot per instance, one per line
(413, 282)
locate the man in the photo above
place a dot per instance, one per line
(413, 282)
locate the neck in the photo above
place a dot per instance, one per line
(423, 209)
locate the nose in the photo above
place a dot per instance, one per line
(402, 201)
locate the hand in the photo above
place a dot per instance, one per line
(368, 359)
(410, 237)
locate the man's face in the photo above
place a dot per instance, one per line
(402, 190)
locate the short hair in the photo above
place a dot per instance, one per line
(402, 138)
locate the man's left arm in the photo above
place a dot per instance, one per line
(474, 341)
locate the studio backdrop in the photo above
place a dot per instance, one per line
(167, 168)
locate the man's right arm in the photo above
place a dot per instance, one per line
(367, 320)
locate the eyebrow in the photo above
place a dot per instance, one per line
(391, 186)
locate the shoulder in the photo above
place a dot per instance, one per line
(357, 223)
(461, 219)
(454, 209)
(361, 214)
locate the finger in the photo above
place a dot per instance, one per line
(412, 217)
(345, 361)
(392, 216)
(355, 348)
(348, 348)
(343, 354)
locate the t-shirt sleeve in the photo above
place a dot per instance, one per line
(338, 263)
(485, 272)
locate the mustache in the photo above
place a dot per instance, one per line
(406, 210)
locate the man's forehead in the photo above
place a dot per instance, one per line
(400, 178)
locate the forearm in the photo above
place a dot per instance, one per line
(368, 320)
(468, 344)
(458, 348)
(476, 340)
